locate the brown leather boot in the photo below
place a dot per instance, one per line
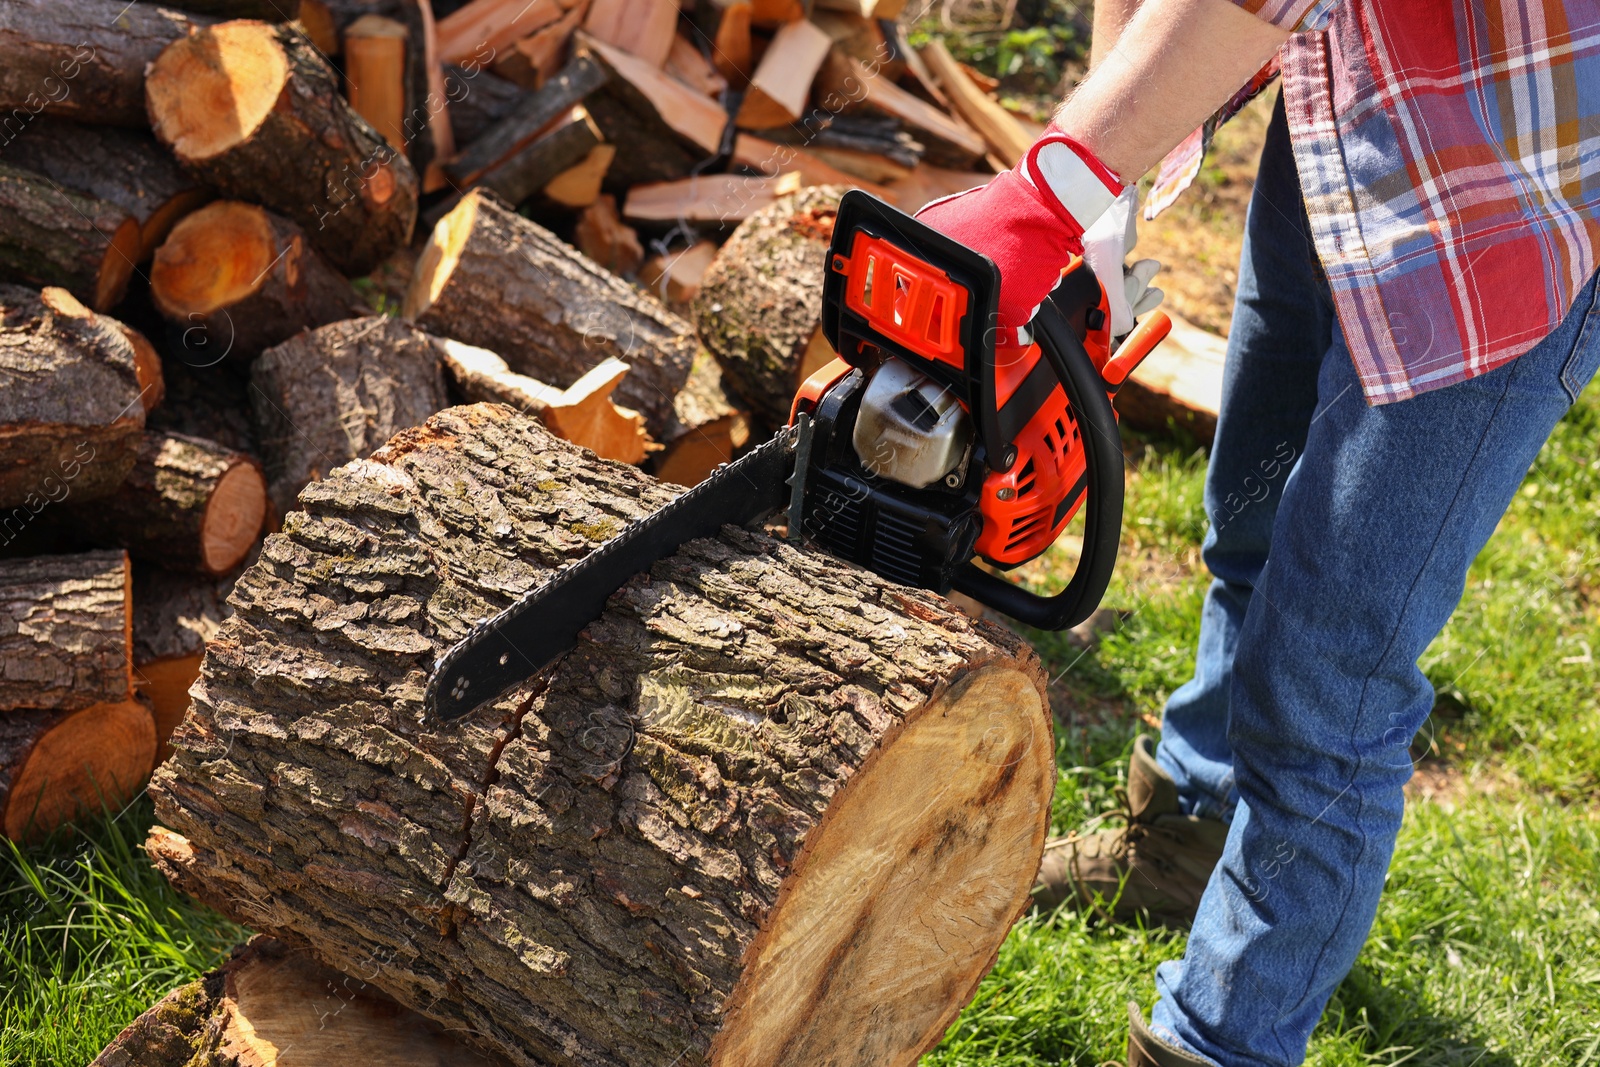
(1158, 863)
(1147, 1050)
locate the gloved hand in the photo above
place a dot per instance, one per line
(1106, 245)
(1031, 219)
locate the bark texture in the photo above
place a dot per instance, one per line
(761, 301)
(65, 631)
(338, 393)
(70, 415)
(80, 59)
(52, 236)
(491, 278)
(124, 168)
(528, 117)
(307, 154)
(577, 873)
(188, 504)
(238, 279)
(56, 765)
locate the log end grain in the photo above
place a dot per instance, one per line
(61, 765)
(439, 257)
(214, 258)
(233, 516)
(211, 91)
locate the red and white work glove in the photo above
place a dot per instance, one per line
(1033, 218)
(1106, 245)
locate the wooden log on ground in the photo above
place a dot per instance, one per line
(781, 85)
(375, 75)
(491, 278)
(70, 411)
(530, 116)
(760, 304)
(707, 428)
(601, 235)
(65, 637)
(81, 59)
(174, 615)
(245, 279)
(584, 414)
(771, 810)
(336, 393)
(289, 141)
(125, 168)
(565, 145)
(57, 765)
(55, 236)
(268, 999)
(188, 504)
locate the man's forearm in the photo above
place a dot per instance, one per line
(1110, 17)
(1174, 63)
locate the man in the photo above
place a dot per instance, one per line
(1416, 311)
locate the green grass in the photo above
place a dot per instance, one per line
(1486, 950)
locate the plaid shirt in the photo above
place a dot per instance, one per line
(1449, 152)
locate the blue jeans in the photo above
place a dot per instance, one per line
(1339, 545)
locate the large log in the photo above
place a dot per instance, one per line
(54, 236)
(759, 308)
(56, 765)
(188, 504)
(770, 810)
(66, 631)
(70, 411)
(337, 393)
(288, 139)
(237, 279)
(494, 279)
(80, 59)
(174, 615)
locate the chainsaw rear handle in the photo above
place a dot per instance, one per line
(1103, 492)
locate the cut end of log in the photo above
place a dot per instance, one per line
(147, 364)
(84, 760)
(213, 259)
(122, 252)
(210, 91)
(234, 515)
(909, 884)
(439, 257)
(165, 683)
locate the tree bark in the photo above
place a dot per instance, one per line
(771, 809)
(56, 765)
(238, 279)
(123, 168)
(761, 302)
(290, 142)
(80, 59)
(527, 118)
(66, 631)
(491, 278)
(267, 999)
(174, 615)
(479, 100)
(53, 236)
(70, 415)
(188, 504)
(336, 394)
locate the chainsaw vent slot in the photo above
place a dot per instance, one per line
(894, 549)
(1026, 527)
(838, 519)
(1061, 431)
(1025, 478)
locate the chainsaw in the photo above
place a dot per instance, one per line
(932, 441)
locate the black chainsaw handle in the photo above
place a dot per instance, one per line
(1103, 494)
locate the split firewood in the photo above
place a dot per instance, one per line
(491, 278)
(82, 59)
(844, 83)
(699, 837)
(712, 201)
(375, 75)
(267, 1000)
(760, 304)
(675, 277)
(668, 128)
(70, 411)
(706, 430)
(774, 14)
(727, 27)
(65, 640)
(1004, 134)
(331, 395)
(781, 85)
(54, 236)
(601, 235)
(855, 35)
(124, 168)
(481, 29)
(769, 159)
(579, 186)
(265, 10)
(686, 63)
(174, 615)
(529, 117)
(58, 765)
(188, 504)
(584, 414)
(317, 19)
(643, 28)
(243, 279)
(479, 99)
(531, 168)
(288, 141)
(535, 59)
